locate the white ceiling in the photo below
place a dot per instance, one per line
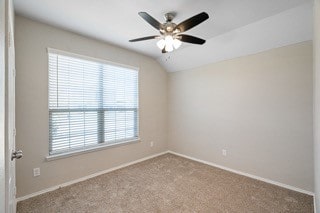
(235, 27)
(288, 27)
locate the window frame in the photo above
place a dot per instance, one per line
(99, 146)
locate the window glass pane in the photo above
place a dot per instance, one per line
(90, 103)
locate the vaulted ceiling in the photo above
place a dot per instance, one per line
(235, 28)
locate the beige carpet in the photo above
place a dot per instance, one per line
(169, 184)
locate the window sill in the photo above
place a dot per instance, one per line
(91, 149)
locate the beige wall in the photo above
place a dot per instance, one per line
(316, 48)
(258, 108)
(32, 39)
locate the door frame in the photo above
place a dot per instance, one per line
(3, 156)
(10, 109)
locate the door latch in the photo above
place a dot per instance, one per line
(16, 154)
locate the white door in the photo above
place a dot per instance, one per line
(10, 111)
(7, 108)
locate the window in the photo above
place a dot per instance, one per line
(91, 103)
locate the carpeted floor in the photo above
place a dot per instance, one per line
(169, 184)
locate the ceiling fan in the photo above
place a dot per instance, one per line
(170, 33)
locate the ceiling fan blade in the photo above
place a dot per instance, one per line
(153, 22)
(191, 39)
(192, 22)
(144, 38)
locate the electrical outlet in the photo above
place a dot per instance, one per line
(224, 152)
(36, 172)
(151, 144)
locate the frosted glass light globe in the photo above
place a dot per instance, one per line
(176, 43)
(161, 43)
(169, 48)
(169, 40)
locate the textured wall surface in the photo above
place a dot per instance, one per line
(258, 108)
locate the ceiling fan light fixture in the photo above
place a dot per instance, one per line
(169, 40)
(161, 44)
(176, 43)
(169, 48)
(169, 43)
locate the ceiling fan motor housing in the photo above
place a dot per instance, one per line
(168, 28)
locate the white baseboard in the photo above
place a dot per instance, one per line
(87, 177)
(293, 188)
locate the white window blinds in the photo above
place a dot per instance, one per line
(90, 103)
